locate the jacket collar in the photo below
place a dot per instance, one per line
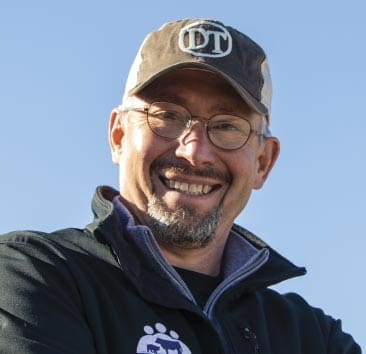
(113, 224)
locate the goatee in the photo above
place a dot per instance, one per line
(181, 227)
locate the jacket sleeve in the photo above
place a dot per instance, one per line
(340, 342)
(40, 309)
(335, 339)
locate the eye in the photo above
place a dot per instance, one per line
(224, 126)
(227, 123)
(169, 115)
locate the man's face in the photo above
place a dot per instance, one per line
(187, 190)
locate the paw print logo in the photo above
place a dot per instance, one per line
(157, 341)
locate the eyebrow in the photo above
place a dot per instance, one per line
(217, 107)
(159, 95)
(232, 109)
(169, 97)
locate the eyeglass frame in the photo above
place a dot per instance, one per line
(264, 132)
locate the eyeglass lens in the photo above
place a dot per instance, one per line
(225, 131)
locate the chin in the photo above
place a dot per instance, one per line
(182, 227)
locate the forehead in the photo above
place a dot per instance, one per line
(183, 85)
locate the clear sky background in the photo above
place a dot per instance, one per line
(63, 68)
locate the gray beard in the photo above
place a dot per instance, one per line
(182, 227)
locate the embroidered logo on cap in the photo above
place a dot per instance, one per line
(160, 342)
(205, 39)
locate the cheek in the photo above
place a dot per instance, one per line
(139, 140)
(139, 150)
(136, 154)
(137, 145)
(243, 171)
(243, 167)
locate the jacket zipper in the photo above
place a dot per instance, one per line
(234, 279)
(229, 282)
(250, 336)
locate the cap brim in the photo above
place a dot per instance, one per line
(247, 97)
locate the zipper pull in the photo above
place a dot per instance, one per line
(250, 336)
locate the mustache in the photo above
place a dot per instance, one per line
(183, 167)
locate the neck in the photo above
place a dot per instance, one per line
(205, 260)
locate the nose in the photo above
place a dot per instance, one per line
(195, 147)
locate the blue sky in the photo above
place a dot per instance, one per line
(63, 68)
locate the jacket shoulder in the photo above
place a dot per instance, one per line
(65, 237)
(62, 243)
(294, 309)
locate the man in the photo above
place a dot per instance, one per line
(163, 269)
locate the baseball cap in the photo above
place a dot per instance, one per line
(210, 45)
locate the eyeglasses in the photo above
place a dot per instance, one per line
(169, 120)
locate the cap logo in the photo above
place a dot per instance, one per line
(205, 39)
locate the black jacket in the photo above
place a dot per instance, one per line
(107, 289)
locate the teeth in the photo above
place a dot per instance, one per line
(195, 188)
(189, 188)
(206, 189)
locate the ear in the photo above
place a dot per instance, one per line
(116, 133)
(266, 160)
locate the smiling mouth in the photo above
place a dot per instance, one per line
(188, 188)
